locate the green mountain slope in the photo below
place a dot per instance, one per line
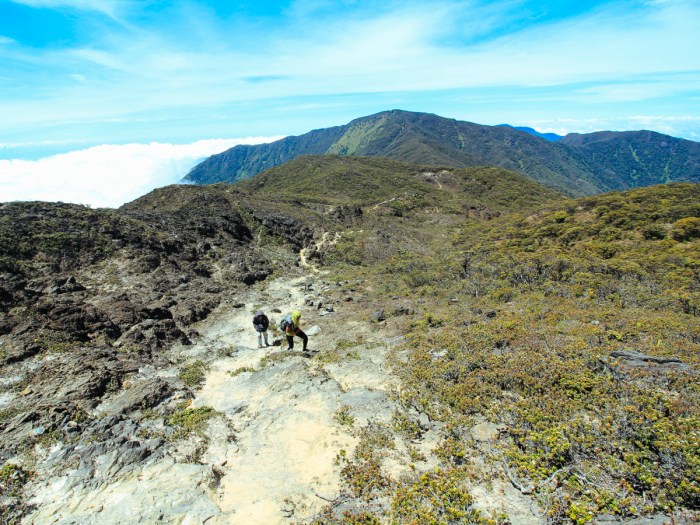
(242, 162)
(625, 160)
(411, 137)
(575, 166)
(335, 179)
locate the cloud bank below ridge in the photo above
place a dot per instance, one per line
(108, 175)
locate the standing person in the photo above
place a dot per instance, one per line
(292, 328)
(261, 322)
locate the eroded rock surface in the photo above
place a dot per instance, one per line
(268, 455)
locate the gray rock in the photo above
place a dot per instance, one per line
(145, 394)
(378, 316)
(486, 431)
(347, 215)
(314, 330)
(402, 310)
(630, 358)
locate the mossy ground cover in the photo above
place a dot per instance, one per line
(190, 420)
(516, 319)
(330, 179)
(13, 478)
(589, 436)
(194, 373)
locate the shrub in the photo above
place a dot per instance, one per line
(190, 420)
(193, 374)
(653, 232)
(437, 497)
(12, 480)
(686, 229)
(343, 416)
(241, 370)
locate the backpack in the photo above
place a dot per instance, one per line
(286, 322)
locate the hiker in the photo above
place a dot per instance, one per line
(261, 322)
(290, 324)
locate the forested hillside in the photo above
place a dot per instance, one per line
(576, 165)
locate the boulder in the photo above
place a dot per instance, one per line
(633, 359)
(378, 316)
(314, 330)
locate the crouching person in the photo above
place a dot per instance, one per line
(290, 323)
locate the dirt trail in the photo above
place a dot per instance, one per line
(323, 243)
(269, 455)
(281, 405)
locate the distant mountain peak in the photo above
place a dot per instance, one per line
(575, 165)
(552, 137)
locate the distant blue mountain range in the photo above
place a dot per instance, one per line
(551, 137)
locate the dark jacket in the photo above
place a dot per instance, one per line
(261, 322)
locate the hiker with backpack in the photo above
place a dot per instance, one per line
(290, 325)
(261, 323)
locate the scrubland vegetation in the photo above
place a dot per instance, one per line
(517, 320)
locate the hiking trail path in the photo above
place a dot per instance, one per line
(282, 462)
(269, 454)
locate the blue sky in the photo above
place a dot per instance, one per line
(76, 74)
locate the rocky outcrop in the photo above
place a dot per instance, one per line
(292, 230)
(633, 359)
(346, 215)
(92, 304)
(481, 213)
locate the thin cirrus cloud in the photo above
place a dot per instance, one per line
(669, 125)
(107, 175)
(108, 7)
(421, 47)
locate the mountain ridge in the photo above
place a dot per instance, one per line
(355, 180)
(575, 167)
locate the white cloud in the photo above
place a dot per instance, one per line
(677, 126)
(430, 47)
(179, 66)
(638, 91)
(28, 144)
(107, 175)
